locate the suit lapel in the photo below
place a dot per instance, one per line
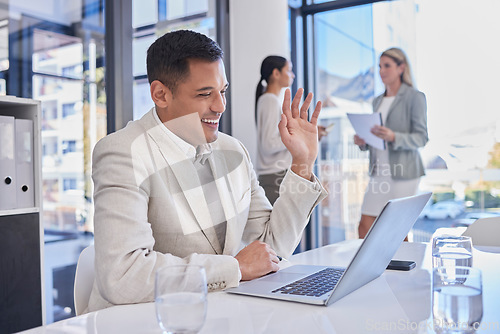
(232, 182)
(220, 171)
(187, 177)
(391, 108)
(396, 101)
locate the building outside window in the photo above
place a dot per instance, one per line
(55, 55)
(69, 109)
(68, 146)
(69, 184)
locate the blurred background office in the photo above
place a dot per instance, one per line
(85, 60)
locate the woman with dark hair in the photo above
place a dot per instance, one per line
(396, 171)
(273, 159)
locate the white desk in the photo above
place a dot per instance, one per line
(396, 302)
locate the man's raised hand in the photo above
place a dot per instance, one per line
(298, 134)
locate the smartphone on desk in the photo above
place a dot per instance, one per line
(401, 265)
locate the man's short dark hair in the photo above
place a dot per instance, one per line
(167, 58)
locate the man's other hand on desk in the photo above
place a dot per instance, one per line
(256, 260)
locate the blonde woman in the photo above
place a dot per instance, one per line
(396, 171)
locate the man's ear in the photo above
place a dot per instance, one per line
(160, 94)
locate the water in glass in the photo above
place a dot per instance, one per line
(182, 312)
(451, 251)
(457, 300)
(181, 298)
(454, 259)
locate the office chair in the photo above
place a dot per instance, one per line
(485, 232)
(84, 279)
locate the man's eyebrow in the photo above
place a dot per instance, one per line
(210, 88)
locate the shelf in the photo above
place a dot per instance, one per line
(21, 233)
(18, 211)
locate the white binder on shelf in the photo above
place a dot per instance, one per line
(7, 163)
(24, 164)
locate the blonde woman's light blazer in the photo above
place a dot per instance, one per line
(407, 117)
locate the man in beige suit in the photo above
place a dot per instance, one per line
(169, 189)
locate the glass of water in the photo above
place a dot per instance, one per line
(451, 251)
(457, 299)
(181, 298)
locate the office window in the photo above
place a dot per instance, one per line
(344, 82)
(51, 193)
(57, 54)
(463, 125)
(144, 12)
(49, 147)
(142, 97)
(152, 19)
(68, 79)
(68, 109)
(49, 112)
(69, 184)
(183, 8)
(53, 51)
(140, 47)
(72, 71)
(68, 146)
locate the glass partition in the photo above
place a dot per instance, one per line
(461, 157)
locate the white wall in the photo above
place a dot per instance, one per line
(258, 28)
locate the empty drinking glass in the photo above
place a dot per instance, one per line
(457, 299)
(181, 298)
(451, 251)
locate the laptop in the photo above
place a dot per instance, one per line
(322, 285)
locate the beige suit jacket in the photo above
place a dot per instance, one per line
(150, 211)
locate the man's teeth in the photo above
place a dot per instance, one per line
(211, 121)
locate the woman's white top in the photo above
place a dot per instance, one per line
(272, 155)
(382, 187)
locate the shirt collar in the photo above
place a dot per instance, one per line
(185, 147)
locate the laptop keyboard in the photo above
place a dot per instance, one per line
(316, 284)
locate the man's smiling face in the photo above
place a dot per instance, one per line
(198, 100)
